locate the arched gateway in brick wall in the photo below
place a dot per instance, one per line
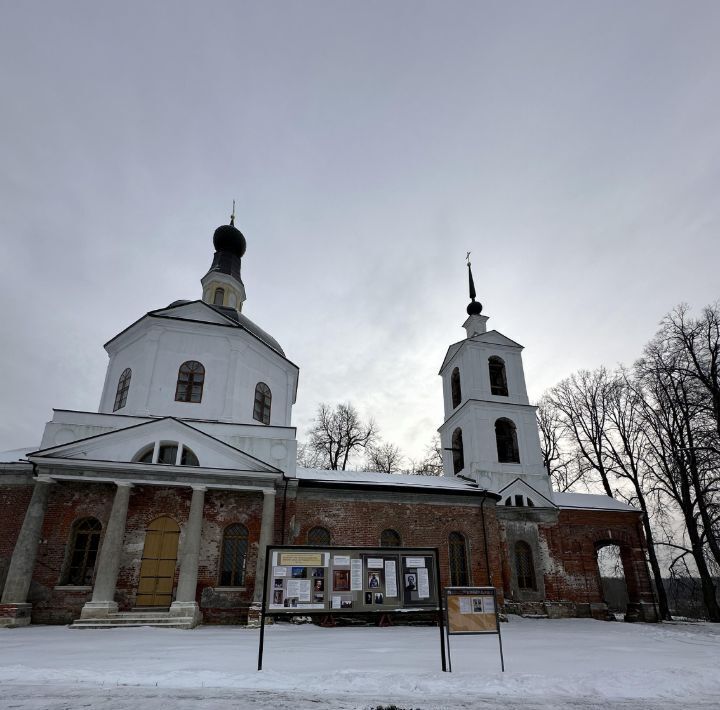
(167, 497)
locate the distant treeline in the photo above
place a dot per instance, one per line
(684, 594)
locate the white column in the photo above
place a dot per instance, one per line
(22, 563)
(267, 527)
(103, 599)
(185, 604)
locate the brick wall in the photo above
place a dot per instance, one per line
(422, 520)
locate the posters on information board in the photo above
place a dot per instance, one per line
(360, 579)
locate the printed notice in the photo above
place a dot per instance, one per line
(414, 561)
(488, 605)
(356, 578)
(423, 584)
(341, 561)
(466, 606)
(336, 602)
(299, 588)
(390, 579)
(301, 559)
(280, 571)
(374, 563)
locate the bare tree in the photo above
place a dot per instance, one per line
(431, 464)
(385, 458)
(581, 401)
(338, 433)
(561, 464)
(672, 415)
(628, 453)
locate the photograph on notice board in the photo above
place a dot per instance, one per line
(374, 580)
(368, 597)
(298, 572)
(378, 598)
(278, 596)
(318, 572)
(319, 585)
(341, 580)
(410, 582)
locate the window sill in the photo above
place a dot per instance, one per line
(73, 588)
(229, 589)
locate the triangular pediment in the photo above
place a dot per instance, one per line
(125, 446)
(519, 487)
(494, 337)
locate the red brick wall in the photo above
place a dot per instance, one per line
(572, 544)
(353, 520)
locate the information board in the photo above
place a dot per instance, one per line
(324, 580)
(471, 610)
(304, 580)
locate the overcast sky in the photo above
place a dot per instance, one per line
(573, 147)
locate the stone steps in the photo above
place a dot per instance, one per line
(130, 619)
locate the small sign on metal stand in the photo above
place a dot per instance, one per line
(472, 610)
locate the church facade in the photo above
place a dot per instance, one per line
(158, 507)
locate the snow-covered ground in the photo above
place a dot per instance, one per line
(549, 664)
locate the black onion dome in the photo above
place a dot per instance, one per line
(229, 239)
(474, 308)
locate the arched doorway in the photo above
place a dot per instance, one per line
(157, 570)
(616, 579)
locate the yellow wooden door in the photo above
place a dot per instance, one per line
(157, 570)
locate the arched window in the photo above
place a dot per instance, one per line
(457, 451)
(122, 389)
(498, 378)
(455, 387)
(168, 455)
(459, 573)
(219, 297)
(84, 544)
(188, 457)
(389, 538)
(191, 377)
(234, 554)
(524, 566)
(506, 439)
(318, 536)
(263, 399)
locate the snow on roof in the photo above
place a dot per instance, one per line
(589, 501)
(387, 479)
(15, 455)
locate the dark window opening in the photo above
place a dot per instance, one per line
(457, 451)
(459, 573)
(191, 378)
(524, 566)
(389, 538)
(519, 501)
(263, 400)
(318, 536)
(234, 553)
(188, 458)
(498, 378)
(455, 387)
(84, 546)
(506, 439)
(122, 389)
(219, 297)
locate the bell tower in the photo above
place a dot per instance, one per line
(490, 433)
